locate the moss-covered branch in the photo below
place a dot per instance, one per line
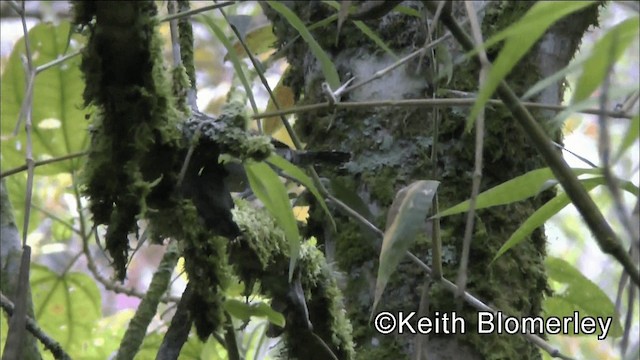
(138, 325)
(260, 256)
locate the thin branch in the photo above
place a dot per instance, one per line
(49, 343)
(42, 162)
(485, 66)
(192, 12)
(446, 102)
(57, 61)
(136, 331)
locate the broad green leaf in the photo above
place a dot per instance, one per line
(58, 121)
(296, 173)
(267, 186)
(520, 37)
(106, 336)
(258, 40)
(244, 311)
(238, 65)
(67, 306)
(540, 216)
(517, 189)
(605, 52)
(580, 295)
(633, 132)
(407, 216)
(328, 69)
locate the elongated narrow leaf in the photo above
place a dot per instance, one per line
(520, 37)
(517, 189)
(540, 216)
(328, 69)
(296, 173)
(267, 186)
(66, 306)
(581, 295)
(407, 216)
(605, 52)
(633, 132)
(58, 121)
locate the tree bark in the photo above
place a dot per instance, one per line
(391, 147)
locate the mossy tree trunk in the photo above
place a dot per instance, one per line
(392, 147)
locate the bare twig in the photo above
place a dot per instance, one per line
(42, 162)
(16, 334)
(192, 12)
(485, 66)
(447, 102)
(49, 343)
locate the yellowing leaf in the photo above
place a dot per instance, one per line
(258, 40)
(284, 98)
(407, 216)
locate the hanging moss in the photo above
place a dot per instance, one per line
(134, 121)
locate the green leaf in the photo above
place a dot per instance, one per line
(58, 121)
(328, 69)
(67, 306)
(516, 189)
(267, 186)
(106, 336)
(633, 132)
(406, 218)
(243, 311)
(580, 295)
(605, 52)
(520, 37)
(540, 216)
(296, 173)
